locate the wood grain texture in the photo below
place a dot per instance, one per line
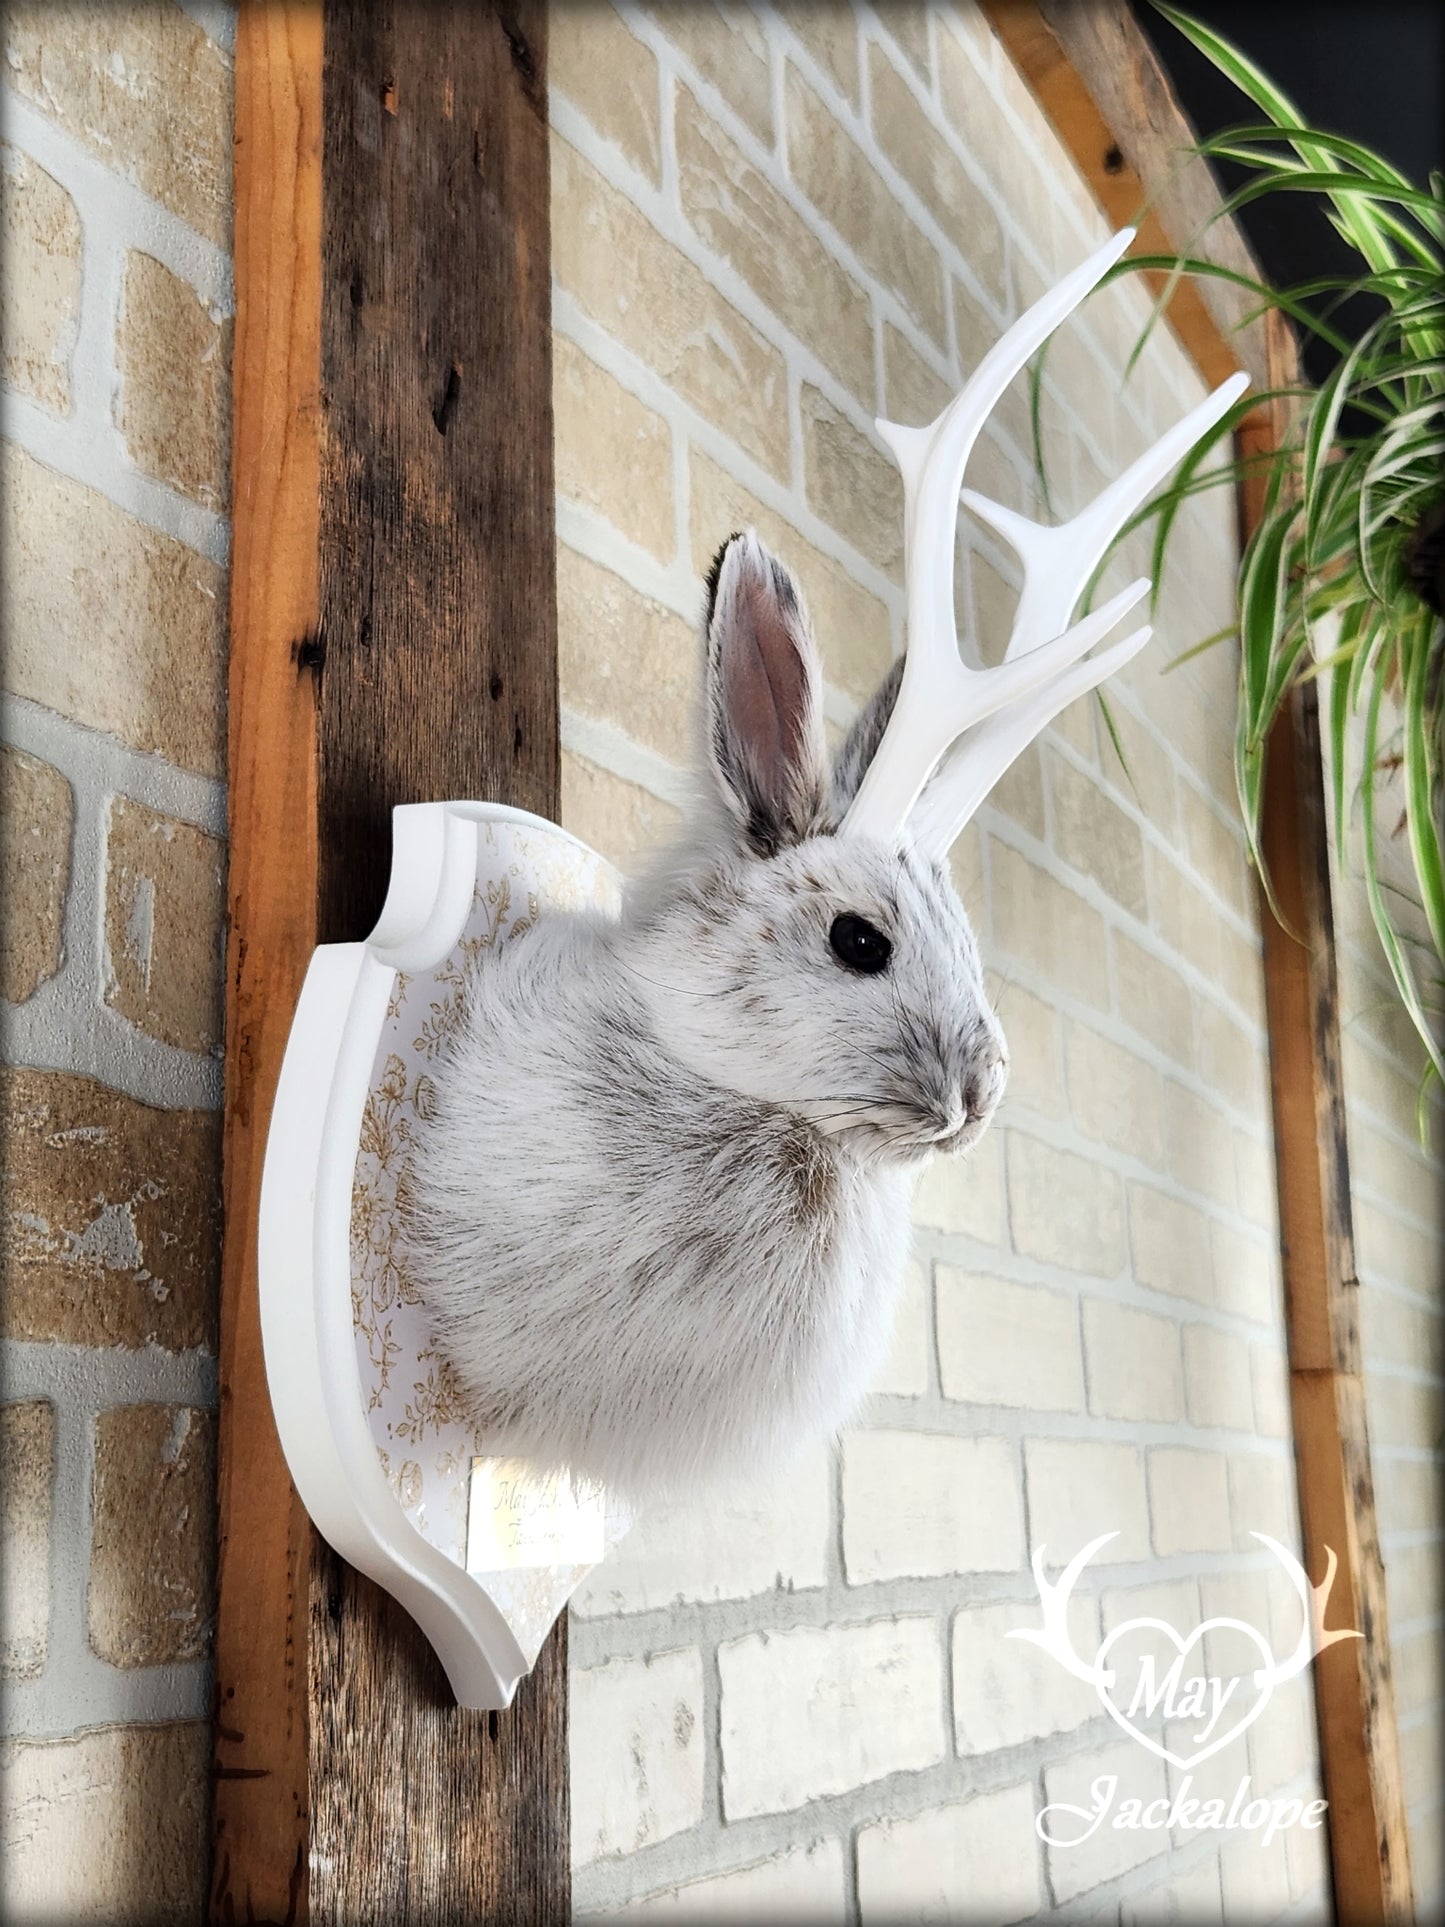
(1354, 1696)
(1100, 83)
(260, 1814)
(437, 635)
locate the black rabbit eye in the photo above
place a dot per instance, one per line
(858, 944)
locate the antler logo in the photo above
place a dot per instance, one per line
(1182, 1695)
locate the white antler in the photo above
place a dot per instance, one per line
(1315, 1599)
(1054, 1635)
(980, 720)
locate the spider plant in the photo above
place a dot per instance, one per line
(1342, 577)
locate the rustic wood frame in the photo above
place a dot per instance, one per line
(393, 640)
(1111, 103)
(367, 614)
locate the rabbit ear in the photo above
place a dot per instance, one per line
(863, 738)
(764, 709)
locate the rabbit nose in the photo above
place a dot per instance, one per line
(983, 1087)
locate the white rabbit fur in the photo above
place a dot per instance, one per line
(661, 1212)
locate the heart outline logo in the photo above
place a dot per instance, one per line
(1105, 1680)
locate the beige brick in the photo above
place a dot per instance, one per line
(820, 1710)
(1151, 998)
(1396, 1330)
(1395, 1172)
(1414, 1581)
(994, 604)
(1188, 1500)
(1201, 1145)
(1216, 849)
(841, 182)
(853, 485)
(1181, 914)
(1169, 1243)
(145, 90)
(1412, 1497)
(964, 1195)
(1241, 975)
(650, 296)
(972, 1860)
(742, 217)
(1256, 1179)
(1217, 1379)
(1064, 1209)
(1007, 1690)
(728, 49)
(40, 289)
(610, 77)
(1047, 927)
(108, 1825)
(1019, 792)
(1094, 835)
(770, 1535)
(913, 393)
(1254, 1878)
(112, 1216)
(1269, 1377)
(624, 658)
(1229, 1061)
(616, 817)
(173, 400)
(905, 1374)
(1108, 1851)
(153, 1535)
(1035, 1068)
(1392, 1251)
(614, 454)
(1417, 1666)
(1145, 778)
(1081, 1488)
(165, 926)
(27, 1477)
(36, 815)
(1404, 1412)
(1133, 1363)
(109, 621)
(1115, 1096)
(1191, 1897)
(801, 1884)
(921, 1504)
(636, 1752)
(1001, 1343)
(851, 625)
(931, 168)
(830, 35)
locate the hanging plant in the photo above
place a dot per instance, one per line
(1344, 573)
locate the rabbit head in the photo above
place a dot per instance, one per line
(835, 977)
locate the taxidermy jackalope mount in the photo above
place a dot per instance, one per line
(660, 1208)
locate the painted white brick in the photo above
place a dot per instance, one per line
(917, 1504)
(1246, 1274)
(1002, 1343)
(977, 1860)
(1189, 1899)
(1217, 1379)
(731, 1544)
(964, 1195)
(817, 1710)
(1188, 1500)
(1262, 1499)
(804, 1884)
(1080, 1489)
(636, 1753)
(1255, 1877)
(905, 1374)
(1006, 1691)
(1133, 1361)
(1082, 1782)
(1269, 1375)
(1064, 1209)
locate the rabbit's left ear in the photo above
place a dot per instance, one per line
(764, 699)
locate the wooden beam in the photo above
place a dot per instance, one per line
(1354, 1694)
(261, 1804)
(394, 639)
(1098, 80)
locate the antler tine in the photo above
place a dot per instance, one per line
(1059, 561)
(939, 696)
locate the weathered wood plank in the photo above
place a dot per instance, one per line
(439, 678)
(1101, 85)
(261, 1805)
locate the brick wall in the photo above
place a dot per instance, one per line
(770, 226)
(116, 341)
(1399, 1215)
